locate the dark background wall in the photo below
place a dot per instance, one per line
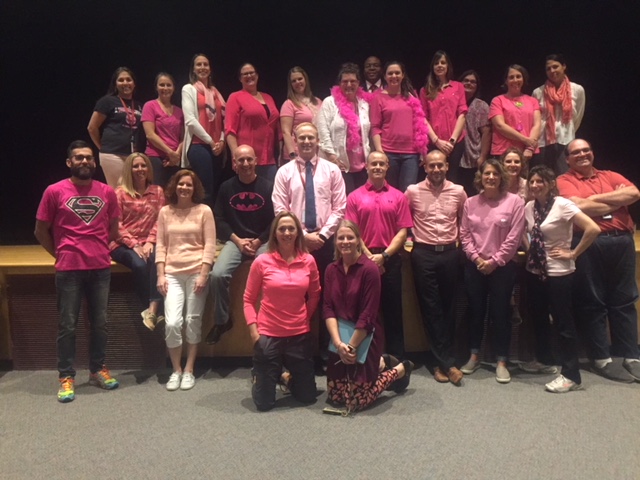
(57, 58)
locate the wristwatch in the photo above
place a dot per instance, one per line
(386, 257)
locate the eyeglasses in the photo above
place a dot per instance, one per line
(80, 158)
(248, 74)
(578, 151)
(467, 80)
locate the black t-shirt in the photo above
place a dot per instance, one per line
(244, 209)
(117, 134)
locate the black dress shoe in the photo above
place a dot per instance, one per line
(217, 331)
(389, 361)
(614, 371)
(402, 384)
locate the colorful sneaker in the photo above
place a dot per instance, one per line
(174, 381)
(562, 385)
(537, 367)
(103, 379)
(66, 393)
(149, 319)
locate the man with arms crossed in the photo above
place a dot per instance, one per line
(605, 285)
(76, 219)
(436, 205)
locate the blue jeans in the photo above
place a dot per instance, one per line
(403, 169)
(267, 171)
(71, 286)
(145, 276)
(498, 285)
(605, 289)
(227, 262)
(208, 168)
(161, 174)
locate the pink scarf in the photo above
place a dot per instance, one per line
(350, 117)
(211, 94)
(557, 96)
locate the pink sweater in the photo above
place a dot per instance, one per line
(283, 309)
(186, 238)
(492, 229)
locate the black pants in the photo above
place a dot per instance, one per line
(391, 304)
(554, 296)
(270, 354)
(435, 275)
(323, 257)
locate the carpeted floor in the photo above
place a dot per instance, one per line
(482, 430)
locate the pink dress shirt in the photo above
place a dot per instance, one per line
(492, 228)
(138, 217)
(290, 294)
(331, 199)
(380, 214)
(443, 111)
(436, 211)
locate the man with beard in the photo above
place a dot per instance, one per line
(244, 213)
(436, 206)
(76, 219)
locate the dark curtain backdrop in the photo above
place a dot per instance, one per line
(57, 58)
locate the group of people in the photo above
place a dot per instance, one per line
(337, 214)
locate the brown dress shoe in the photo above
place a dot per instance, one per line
(455, 375)
(439, 375)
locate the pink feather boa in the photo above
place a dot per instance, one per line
(350, 117)
(420, 131)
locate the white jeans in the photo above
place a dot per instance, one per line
(180, 288)
(111, 165)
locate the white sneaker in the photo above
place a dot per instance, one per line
(502, 374)
(470, 367)
(562, 385)
(188, 381)
(174, 381)
(537, 367)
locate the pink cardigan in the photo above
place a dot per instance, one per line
(247, 119)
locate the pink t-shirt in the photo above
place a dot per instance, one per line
(380, 214)
(301, 114)
(518, 114)
(392, 118)
(168, 127)
(290, 294)
(80, 218)
(443, 111)
(492, 228)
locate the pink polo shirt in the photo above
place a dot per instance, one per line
(392, 118)
(443, 111)
(290, 294)
(492, 228)
(436, 211)
(379, 214)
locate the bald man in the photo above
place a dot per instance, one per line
(243, 213)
